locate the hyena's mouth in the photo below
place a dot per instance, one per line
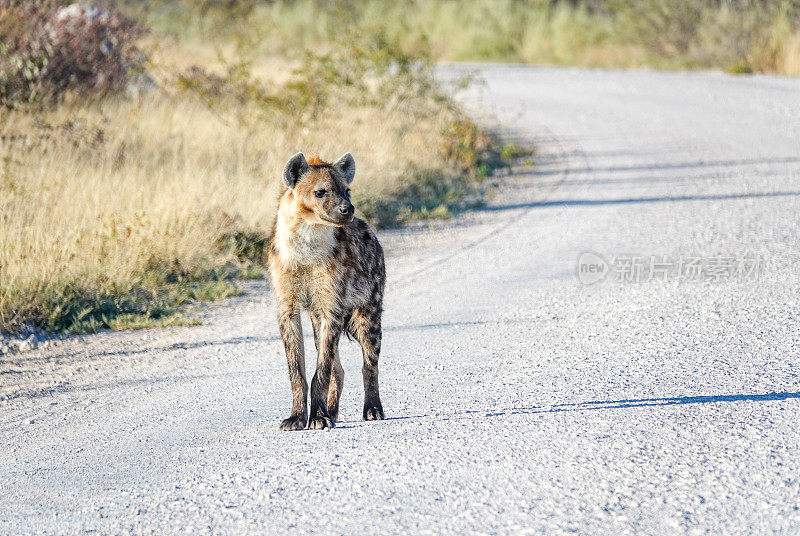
(339, 223)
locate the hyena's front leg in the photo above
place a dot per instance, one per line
(335, 390)
(366, 326)
(329, 332)
(337, 376)
(292, 334)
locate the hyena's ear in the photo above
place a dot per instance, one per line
(294, 169)
(347, 166)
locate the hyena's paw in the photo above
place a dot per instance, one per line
(373, 411)
(333, 413)
(320, 422)
(295, 422)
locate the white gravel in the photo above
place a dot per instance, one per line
(519, 400)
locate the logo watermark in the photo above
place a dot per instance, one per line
(594, 268)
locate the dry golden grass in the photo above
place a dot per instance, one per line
(779, 51)
(747, 34)
(789, 59)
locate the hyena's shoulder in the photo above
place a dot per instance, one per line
(359, 247)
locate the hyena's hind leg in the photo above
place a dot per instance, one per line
(365, 326)
(337, 375)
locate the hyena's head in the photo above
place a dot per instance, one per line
(321, 190)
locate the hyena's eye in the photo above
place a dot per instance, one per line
(320, 193)
(347, 192)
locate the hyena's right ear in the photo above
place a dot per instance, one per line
(294, 169)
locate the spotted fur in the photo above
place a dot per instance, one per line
(324, 260)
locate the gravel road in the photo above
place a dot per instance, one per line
(661, 399)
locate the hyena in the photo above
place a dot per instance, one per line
(325, 260)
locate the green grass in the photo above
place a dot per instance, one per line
(252, 271)
(740, 68)
(129, 321)
(76, 307)
(511, 152)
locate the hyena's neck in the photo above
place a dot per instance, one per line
(300, 243)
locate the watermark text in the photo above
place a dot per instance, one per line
(628, 268)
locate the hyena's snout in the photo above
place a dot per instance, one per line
(346, 212)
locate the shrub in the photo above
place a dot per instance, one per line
(47, 50)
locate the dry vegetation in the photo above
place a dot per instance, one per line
(734, 35)
(115, 211)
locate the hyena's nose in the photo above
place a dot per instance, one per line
(346, 210)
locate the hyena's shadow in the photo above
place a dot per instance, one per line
(598, 405)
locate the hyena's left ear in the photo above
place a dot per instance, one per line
(294, 169)
(347, 166)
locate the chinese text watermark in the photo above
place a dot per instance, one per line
(593, 268)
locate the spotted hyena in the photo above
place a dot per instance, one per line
(325, 260)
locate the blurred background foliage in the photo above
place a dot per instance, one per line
(737, 35)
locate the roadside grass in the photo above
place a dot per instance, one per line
(131, 321)
(735, 35)
(117, 212)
